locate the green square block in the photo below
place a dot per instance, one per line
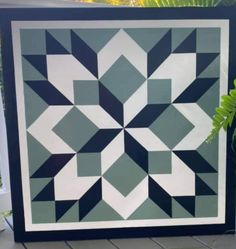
(206, 206)
(208, 40)
(86, 92)
(33, 41)
(159, 91)
(43, 212)
(159, 162)
(125, 174)
(89, 164)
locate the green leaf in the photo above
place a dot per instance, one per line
(228, 99)
(224, 114)
(232, 93)
(216, 123)
(228, 107)
(231, 118)
(218, 118)
(222, 111)
(226, 124)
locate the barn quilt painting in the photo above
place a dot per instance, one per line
(113, 117)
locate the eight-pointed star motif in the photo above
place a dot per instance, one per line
(126, 124)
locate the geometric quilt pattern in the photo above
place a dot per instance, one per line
(116, 122)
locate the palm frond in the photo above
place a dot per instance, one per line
(225, 114)
(180, 3)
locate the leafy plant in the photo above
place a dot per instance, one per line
(224, 114)
(179, 3)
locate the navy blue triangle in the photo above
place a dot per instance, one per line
(100, 140)
(195, 90)
(136, 151)
(48, 93)
(83, 53)
(53, 46)
(62, 207)
(158, 195)
(111, 104)
(52, 165)
(158, 54)
(90, 199)
(187, 202)
(204, 60)
(202, 188)
(188, 45)
(47, 194)
(147, 115)
(195, 161)
(39, 62)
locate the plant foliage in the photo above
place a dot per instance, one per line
(180, 3)
(224, 114)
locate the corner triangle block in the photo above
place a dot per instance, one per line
(62, 207)
(202, 188)
(47, 194)
(204, 60)
(187, 202)
(39, 62)
(53, 46)
(188, 45)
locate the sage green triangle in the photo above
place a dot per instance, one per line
(96, 38)
(147, 38)
(63, 36)
(102, 212)
(148, 210)
(211, 180)
(34, 105)
(210, 99)
(179, 35)
(178, 211)
(38, 154)
(30, 72)
(213, 70)
(209, 151)
(37, 185)
(72, 215)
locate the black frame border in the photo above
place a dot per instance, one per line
(36, 14)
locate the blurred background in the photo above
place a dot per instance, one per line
(110, 3)
(163, 3)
